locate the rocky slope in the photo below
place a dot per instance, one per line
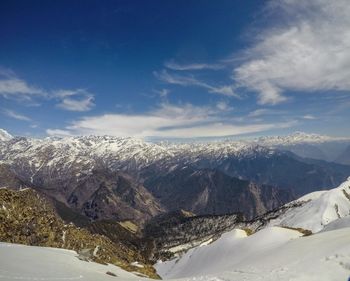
(107, 195)
(176, 232)
(208, 191)
(28, 218)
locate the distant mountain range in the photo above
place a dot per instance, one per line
(103, 177)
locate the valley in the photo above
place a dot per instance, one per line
(184, 211)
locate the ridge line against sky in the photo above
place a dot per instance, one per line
(175, 68)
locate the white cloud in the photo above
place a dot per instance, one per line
(224, 90)
(58, 133)
(192, 66)
(15, 115)
(223, 106)
(265, 111)
(176, 79)
(309, 117)
(308, 51)
(167, 120)
(74, 100)
(259, 112)
(163, 93)
(13, 87)
(183, 80)
(221, 130)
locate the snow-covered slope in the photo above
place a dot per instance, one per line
(317, 209)
(4, 135)
(278, 251)
(273, 254)
(337, 224)
(232, 247)
(19, 262)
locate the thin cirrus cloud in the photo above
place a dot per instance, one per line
(74, 100)
(192, 66)
(265, 112)
(168, 120)
(15, 115)
(309, 117)
(308, 52)
(14, 88)
(186, 80)
(58, 133)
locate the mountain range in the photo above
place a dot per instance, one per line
(104, 177)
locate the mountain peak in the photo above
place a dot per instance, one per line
(295, 138)
(4, 135)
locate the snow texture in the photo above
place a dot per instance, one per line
(318, 209)
(273, 254)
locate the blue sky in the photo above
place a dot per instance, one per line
(175, 69)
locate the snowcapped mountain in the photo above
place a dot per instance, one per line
(315, 210)
(81, 172)
(4, 135)
(143, 153)
(296, 138)
(308, 145)
(83, 154)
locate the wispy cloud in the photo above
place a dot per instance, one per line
(186, 80)
(307, 52)
(309, 117)
(192, 66)
(223, 106)
(168, 120)
(264, 112)
(15, 115)
(58, 133)
(12, 87)
(75, 100)
(163, 93)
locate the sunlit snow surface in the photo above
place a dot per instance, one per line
(273, 254)
(19, 262)
(320, 209)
